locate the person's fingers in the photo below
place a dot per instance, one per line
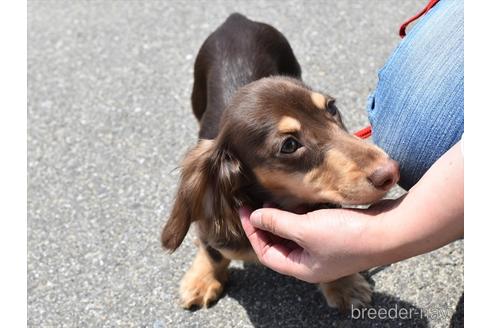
(260, 240)
(281, 223)
(244, 214)
(283, 256)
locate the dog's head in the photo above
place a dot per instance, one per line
(279, 134)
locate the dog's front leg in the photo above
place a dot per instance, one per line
(205, 279)
(353, 290)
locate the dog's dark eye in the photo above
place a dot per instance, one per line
(290, 145)
(331, 108)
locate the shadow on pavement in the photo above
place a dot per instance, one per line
(458, 319)
(274, 300)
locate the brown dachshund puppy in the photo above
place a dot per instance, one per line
(264, 137)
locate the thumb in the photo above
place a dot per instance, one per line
(284, 257)
(280, 223)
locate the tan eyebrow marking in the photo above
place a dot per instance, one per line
(319, 100)
(288, 124)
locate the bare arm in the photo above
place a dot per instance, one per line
(430, 215)
(324, 245)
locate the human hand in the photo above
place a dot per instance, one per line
(319, 246)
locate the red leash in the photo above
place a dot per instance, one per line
(364, 133)
(422, 12)
(367, 131)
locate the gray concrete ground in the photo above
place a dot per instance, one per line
(109, 84)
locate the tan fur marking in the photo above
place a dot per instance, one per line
(319, 100)
(281, 182)
(288, 124)
(247, 256)
(347, 291)
(319, 185)
(204, 281)
(339, 180)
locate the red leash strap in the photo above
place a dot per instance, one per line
(367, 131)
(424, 11)
(364, 133)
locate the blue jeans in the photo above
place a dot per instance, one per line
(417, 108)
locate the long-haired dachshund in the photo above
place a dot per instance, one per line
(264, 137)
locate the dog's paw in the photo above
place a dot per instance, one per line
(200, 291)
(344, 293)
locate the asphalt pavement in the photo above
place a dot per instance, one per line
(109, 119)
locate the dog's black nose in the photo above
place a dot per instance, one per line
(386, 175)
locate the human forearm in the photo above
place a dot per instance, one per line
(428, 217)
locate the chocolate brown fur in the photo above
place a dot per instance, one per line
(249, 99)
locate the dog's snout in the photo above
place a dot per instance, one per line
(386, 175)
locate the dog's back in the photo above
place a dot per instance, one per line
(240, 51)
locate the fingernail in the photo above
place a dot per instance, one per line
(255, 217)
(244, 213)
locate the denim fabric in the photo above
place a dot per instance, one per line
(417, 108)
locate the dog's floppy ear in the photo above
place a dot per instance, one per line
(209, 179)
(191, 190)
